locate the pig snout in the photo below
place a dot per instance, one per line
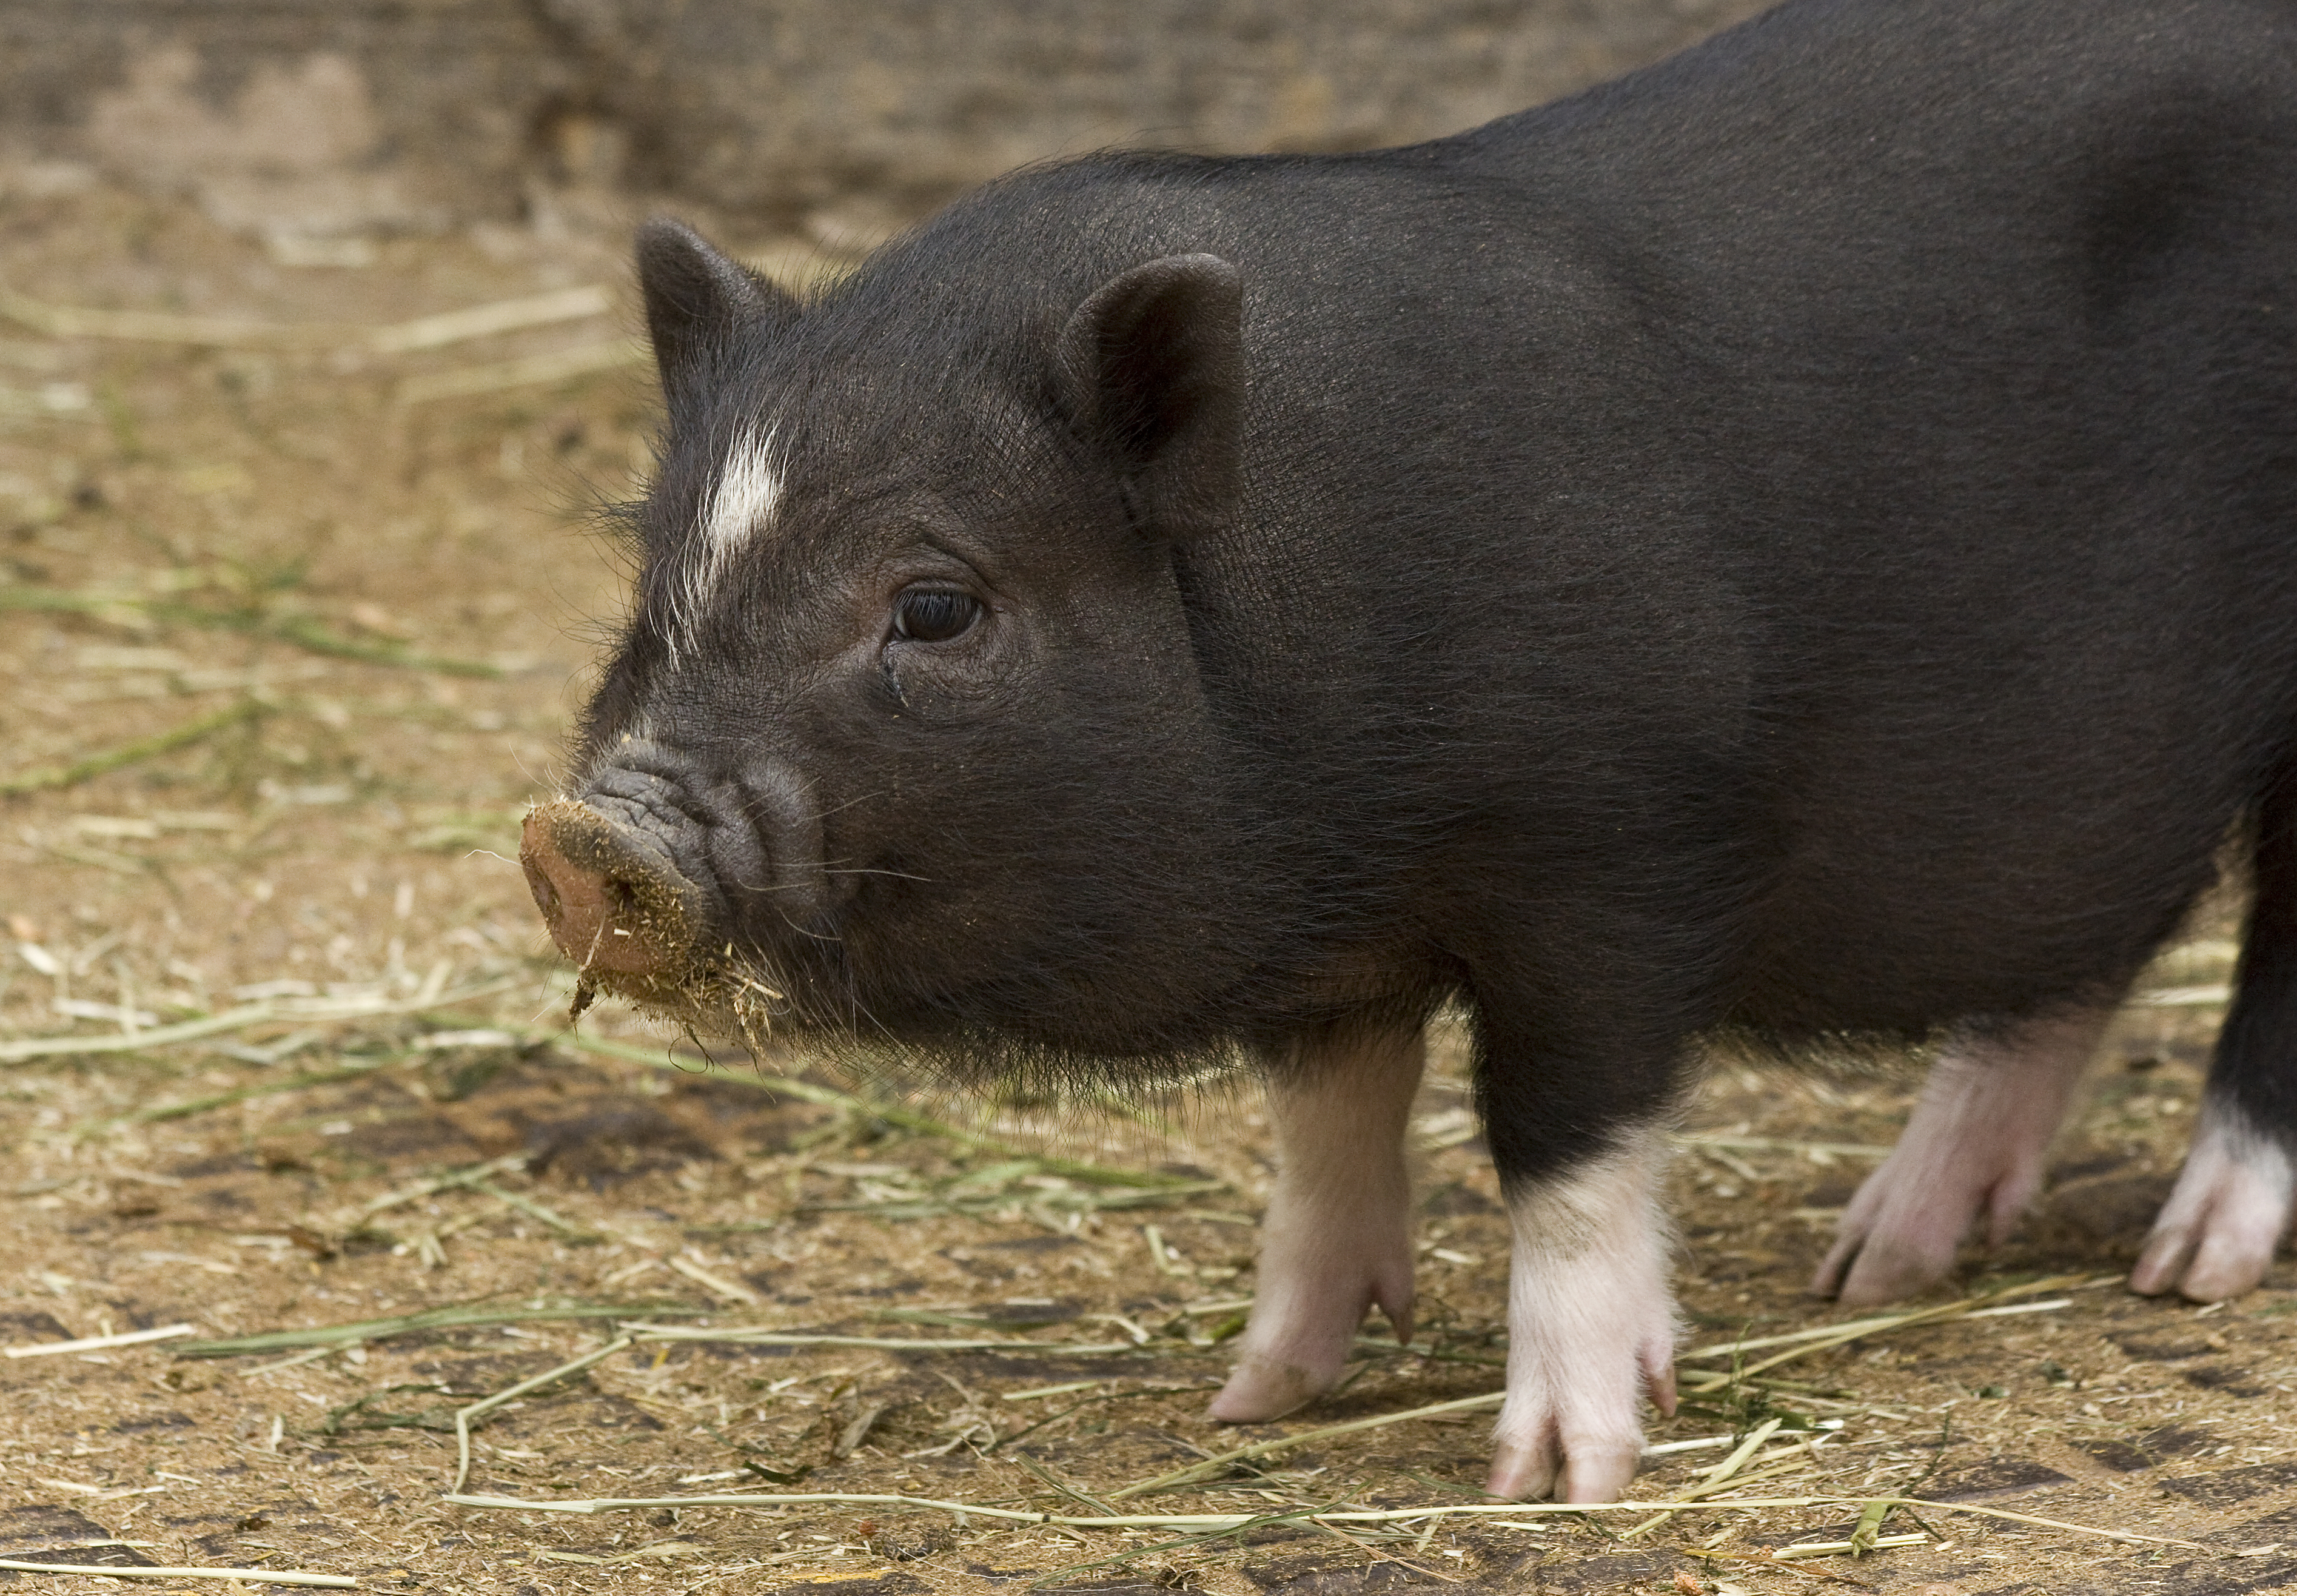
(656, 870)
(614, 900)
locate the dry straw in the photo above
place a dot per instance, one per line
(271, 1011)
(555, 308)
(1722, 1485)
(251, 1576)
(93, 1344)
(395, 338)
(88, 767)
(637, 1334)
(301, 630)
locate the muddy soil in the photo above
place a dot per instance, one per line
(290, 632)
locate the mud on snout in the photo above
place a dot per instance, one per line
(633, 924)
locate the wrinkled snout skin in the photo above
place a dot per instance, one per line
(1797, 543)
(639, 879)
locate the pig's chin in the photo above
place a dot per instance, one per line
(745, 1002)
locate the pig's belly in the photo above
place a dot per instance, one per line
(2024, 867)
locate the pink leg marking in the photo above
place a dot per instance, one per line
(1974, 1147)
(1337, 1238)
(1591, 1328)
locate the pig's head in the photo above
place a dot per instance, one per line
(909, 739)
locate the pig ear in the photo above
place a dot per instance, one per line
(697, 298)
(1151, 367)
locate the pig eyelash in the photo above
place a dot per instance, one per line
(923, 614)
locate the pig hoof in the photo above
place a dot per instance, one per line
(1337, 1238)
(1881, 1261)
(1581, 1468)
(1262, 1388)
(1289, 1358)
(1300, 1340)
(1582, 1441)
(1974, 1147)
(1901, 1232)
(2218, 1232)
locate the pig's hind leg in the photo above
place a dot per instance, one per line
(1972, 1151)
(1337, 1238)
(2216, 1234)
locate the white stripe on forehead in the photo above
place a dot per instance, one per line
(748, 486)
(741, 506)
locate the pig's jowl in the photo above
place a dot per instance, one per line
(1799, 542)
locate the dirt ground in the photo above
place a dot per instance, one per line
(325, 618)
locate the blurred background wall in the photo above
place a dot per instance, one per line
(320, 118)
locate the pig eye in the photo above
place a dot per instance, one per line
(933, 615)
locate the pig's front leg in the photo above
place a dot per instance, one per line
(1973, 1150)
(1337, 1238)
(1591, 1324)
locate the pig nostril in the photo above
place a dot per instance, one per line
(546, 892)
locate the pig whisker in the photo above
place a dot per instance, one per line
(766, 888)
(818, 936)
(849, 804)
(518, 757)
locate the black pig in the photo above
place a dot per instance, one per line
(1800, 542)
